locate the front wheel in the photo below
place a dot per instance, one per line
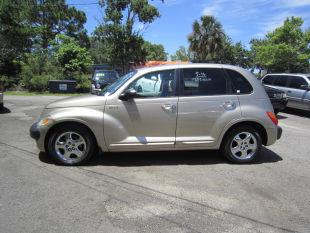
(71, 145)
(242, 145)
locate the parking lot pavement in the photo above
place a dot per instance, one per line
(192, 191)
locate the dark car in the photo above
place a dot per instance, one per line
(277, 97)
(102, 78)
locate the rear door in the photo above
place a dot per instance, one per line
(298, 97)
(205, 106)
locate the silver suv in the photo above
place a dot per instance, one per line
(296, 87)
(179, 107)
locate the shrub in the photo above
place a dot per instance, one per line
(83, 82)
(40, 82)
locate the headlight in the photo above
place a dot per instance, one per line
(284, 95)
(45, 122)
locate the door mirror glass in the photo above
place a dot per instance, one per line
(128, 94)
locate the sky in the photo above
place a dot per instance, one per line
(242, 20)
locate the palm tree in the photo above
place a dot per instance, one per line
(207, 39)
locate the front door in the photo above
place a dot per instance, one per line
(147, 121)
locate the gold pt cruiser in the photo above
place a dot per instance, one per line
(175, 107)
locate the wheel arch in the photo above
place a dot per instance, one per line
(259, 127)
(69, 123)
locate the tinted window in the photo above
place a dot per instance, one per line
(156, 84)
(204, 81)
(269, 80)
(296, 82)
(239, 83)
(281, 81)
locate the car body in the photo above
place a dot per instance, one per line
(277, 97)
(296, 87)
(1, 96)
(197, 106)
(102, 78)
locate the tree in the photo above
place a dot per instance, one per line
(15, 34)
(70, 56)
(182, 54)
(154, 52)
(206, 40)
(119, 32)
(53, 17)
(286, 49)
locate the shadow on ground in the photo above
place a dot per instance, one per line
(166, 158)
(296, 112)
(5, 110)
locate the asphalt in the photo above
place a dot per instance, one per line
(187, 191)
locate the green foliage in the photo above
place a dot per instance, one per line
(155, 52)
(286, 49)
(15, 32)
(83, 82)
(38, 65)
(118, 33)
(207, 39)
(40, 82)
(70, 56)
(182, 54)
(54, 17)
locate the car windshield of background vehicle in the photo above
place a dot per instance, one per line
(110, 89)
(105, 76)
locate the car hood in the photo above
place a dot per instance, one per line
(78, 101)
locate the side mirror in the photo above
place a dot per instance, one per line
(305, 87)
(128, 94)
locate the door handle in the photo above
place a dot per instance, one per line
(169, 107)
(289, 91)
(229, 105)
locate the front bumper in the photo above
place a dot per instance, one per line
(34, 131)
(279, 132)
(38, 133)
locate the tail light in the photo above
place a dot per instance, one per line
(273, 117)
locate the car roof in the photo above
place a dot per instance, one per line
(190, 65)
(289, 74)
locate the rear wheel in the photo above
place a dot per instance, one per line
(242, 145)
(71, 145)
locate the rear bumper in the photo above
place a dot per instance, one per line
(279, 132)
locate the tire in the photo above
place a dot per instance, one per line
(71, 145)
(1, 106)
(242, 145)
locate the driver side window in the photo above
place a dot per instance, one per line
(156, 84)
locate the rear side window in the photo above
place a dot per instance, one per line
(203, 81)
(239, 83)
(296, 82)
(281, 81)
(269, 79)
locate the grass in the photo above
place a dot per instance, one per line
(27, 93)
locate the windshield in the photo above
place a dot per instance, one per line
(101, 76)
(110, 89)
